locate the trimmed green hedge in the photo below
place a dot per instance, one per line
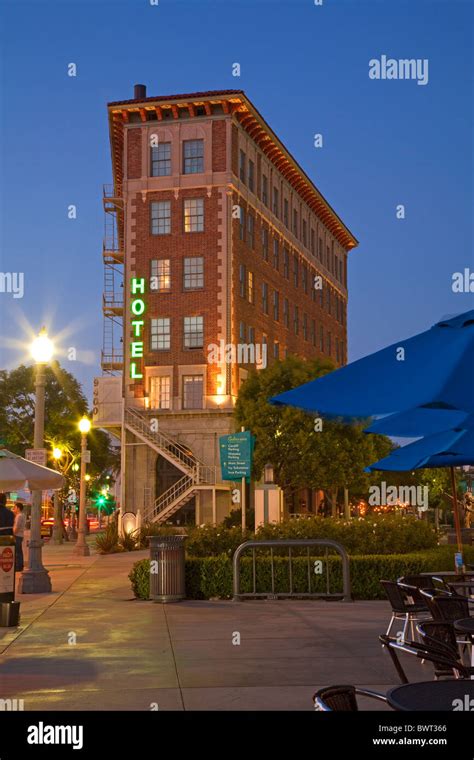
(211, 577)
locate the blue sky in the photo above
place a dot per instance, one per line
(305, 67)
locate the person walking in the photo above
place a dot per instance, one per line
(6, 517)
(19, 532)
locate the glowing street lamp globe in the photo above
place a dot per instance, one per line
(42, 348)
(84, 426)
(57, 453)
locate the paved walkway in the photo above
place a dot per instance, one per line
(90, 646)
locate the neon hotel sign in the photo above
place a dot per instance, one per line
(137, 310)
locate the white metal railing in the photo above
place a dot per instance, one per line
(173, 495)
(175, 450)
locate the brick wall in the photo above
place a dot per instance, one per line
(134, 153)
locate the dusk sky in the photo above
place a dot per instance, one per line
(306, 69)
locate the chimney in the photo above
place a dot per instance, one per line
(139, 92)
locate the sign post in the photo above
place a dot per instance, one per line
(236, 452)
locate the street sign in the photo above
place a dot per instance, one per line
(236, 455)
(72, 498)
(38, 456)
(87, 457)
(7, 569)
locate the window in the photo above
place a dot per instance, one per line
(304, 278)
(193, 273)
(321, 338)
(242, 280)
(285, 213)
(327, 257)
(328, 344)
(265, 243)
(250, 229)
(305, 233)
(250, 288)
(276, 305)
(160, 217)
(305, 326)
(264, 190)
(276, 350)
(296, 320)
(193, 156)
(242, 331)
(328, 301)
(160, 158)
(295, 270)
(242, 223)
(194, 215)
(337, 350)
(276, 202)
(160, 334)
(192, 391)
(286, 313)
(251, 175)
(242, 165)
(295, 223)
(286, 263)
(160, 275)
(320, 250)
(276, 253)
(252, 336)
(193, 332)
(265, 297)
(160, 392)
(313, 243)
(313, 332)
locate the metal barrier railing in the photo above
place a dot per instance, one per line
(344, 596)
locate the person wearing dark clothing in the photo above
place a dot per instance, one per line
(19, 532)
(7, 518)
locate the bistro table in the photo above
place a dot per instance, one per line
(436, 696)
(466, 625)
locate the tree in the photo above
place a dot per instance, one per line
(304, 450)
(65, 404)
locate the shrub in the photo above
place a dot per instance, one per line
(234, 519)
(128, 541)
(154, 529)
(211, 577)
(209, 541)
(108, 541)
(381, 534)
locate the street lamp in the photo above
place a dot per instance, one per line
(81, 545)
(58, 521)
(35, 578)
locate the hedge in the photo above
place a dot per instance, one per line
(211, 577)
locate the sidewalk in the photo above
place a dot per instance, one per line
(90, 646)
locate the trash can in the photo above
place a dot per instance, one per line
(9, 614)
(167, 577)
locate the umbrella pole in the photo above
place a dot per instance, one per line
(457, 522)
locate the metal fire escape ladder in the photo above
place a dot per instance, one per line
(112, 299)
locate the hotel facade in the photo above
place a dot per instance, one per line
(220, 256)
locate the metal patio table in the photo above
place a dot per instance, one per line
(432, 696)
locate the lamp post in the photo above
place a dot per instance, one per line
(58, 521)
(81, 546)
(35, 578)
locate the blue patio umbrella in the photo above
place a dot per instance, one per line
(450, 448)
(433, 370)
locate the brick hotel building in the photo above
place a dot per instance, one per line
(214, 235)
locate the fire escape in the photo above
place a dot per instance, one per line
(113, 299)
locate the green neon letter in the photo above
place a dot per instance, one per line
(138, 307)
(138, 285)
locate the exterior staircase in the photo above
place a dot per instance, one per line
(195, 472)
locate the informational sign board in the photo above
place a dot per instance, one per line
(38, 456)
(7, 571)
(87, 457)
(236, 452)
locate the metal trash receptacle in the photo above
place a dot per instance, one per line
(9, 614)
(167, 568)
